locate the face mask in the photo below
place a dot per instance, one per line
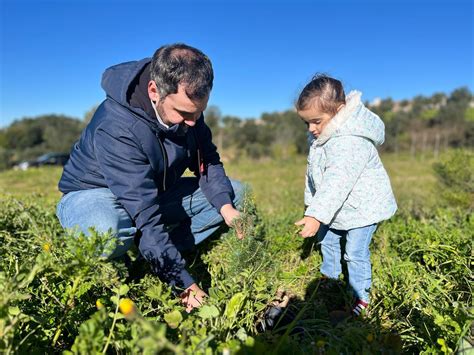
(158, 117)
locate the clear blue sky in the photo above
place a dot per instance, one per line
(53, 53)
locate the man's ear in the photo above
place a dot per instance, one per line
(153, 91)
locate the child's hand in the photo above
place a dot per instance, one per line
(311, 226)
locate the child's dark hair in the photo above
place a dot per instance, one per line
(328, 92)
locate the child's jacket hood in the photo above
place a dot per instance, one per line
(354, 119)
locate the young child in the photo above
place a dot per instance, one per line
(347, 188)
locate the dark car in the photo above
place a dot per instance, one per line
(45, 159)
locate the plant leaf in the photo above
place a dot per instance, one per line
(234, 305)
(207, 312)
(173, 319)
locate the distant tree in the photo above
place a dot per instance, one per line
(287, 130)
(3, 139)
(5, 158)
(425, 123)
(213, 117)
(394, 129)
(419, 103)
(24, 134)
(386, 105)
(438, 98)
(460, 96)
(253, 138)
(61, 133)
(458, 103)
(429, 115)
(230, 125)
(404, 103)
(231, 122)
(30, 137)
(249, 132)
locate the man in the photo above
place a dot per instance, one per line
(125, 172)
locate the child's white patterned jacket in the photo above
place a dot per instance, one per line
(346, 184)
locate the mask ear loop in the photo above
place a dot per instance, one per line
(153, 104)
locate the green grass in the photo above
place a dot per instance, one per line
(422, 260)
(37, 183)
(277, 185)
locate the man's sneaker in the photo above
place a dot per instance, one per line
(359, 308)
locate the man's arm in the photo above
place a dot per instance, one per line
(214, 183)
(130, 178)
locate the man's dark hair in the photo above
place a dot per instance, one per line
(179, 63)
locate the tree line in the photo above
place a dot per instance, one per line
(420, 125)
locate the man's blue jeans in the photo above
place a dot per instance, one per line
(188, 216)
(356, 255)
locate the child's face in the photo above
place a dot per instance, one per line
(315, 119)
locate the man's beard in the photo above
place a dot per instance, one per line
(162, 114)
(183, 127)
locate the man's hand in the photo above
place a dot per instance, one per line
(193, 297)
(311, 226)
(230, 214)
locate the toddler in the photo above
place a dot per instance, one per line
(347, 188)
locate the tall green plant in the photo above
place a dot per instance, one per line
(455, 173)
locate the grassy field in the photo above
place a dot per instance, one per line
(277, 186)
(57, 294)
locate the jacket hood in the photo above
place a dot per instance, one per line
(354, 119)
(117, 79)
(117, 82)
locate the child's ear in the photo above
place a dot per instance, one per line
(340, 106)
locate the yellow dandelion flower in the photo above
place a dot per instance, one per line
(127, 307)
(99, 304)
(47, 247)
(320, 343)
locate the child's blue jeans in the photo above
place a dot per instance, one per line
(356, 255)
(187, 214)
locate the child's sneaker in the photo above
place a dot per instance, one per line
(359, 308)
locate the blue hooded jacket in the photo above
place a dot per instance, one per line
(138, 159)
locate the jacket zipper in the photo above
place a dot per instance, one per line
(201, 166)
(165, 157)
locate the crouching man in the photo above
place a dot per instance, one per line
(125, 172)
